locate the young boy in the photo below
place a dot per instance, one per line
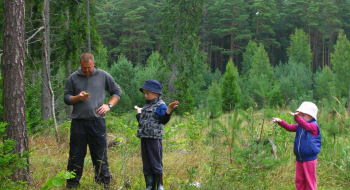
(307, 144)
(152, 118)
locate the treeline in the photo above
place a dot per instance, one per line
(223, 53)
(225, 27)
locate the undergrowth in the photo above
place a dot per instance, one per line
(238, 150)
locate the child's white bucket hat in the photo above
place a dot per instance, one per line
(308, 108)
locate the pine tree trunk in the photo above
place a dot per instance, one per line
(13, 72)
(45, 67)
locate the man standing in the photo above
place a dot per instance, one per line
(85, 89)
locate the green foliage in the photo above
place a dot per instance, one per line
(251, 48)
(231, 92)
(137, 40)
(334, 118)
(152, 70)
(260, 83)
(185, 62)
(266, 16)
(299, 51)
(33, 111)
(233, 122)
(214, 101)
(10, 162)
(101, 57)
(341, 64)
(270, 95)
(126, 128)
(184, 95)
(297, 12)
(196, 72)
(1, 107)
(204, 152)
(127, 83)
(228, 20)
(58, 180)
(212, 76)
(324, 84)
(294, 80)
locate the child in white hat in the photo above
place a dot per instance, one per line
(307, 144)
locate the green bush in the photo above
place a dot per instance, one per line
(294, 80)
(10, 162)
(33, 105)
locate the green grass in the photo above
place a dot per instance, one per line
(198, 151)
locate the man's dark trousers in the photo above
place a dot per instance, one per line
(90, 132)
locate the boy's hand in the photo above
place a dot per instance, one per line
(138, 109)
(294, 114)
(171, 106)
(275, 119)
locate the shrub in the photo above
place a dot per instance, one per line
(10, 162)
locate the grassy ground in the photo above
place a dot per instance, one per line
(197, 151)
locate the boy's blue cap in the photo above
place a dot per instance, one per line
(153, 86)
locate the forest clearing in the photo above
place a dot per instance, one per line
(226, 153)
(232, 64)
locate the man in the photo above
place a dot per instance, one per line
(85, 89)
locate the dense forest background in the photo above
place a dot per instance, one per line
(256, 53)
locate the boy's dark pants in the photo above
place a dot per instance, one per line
(152, 155)
(90, 132)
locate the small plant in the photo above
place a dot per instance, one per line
(10, 162)
(192, 171)
(58, 180)
(233, 124)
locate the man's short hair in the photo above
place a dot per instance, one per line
(86, 57)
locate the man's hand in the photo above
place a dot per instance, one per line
(83, 96)
(103, 109)
(137, 109)
(275, 119)
(171, 106)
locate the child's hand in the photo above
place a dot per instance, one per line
(171, 106)
(294, 114)
(275, 120)
(138, 109)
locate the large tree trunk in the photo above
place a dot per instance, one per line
(14, 79)
(45, 67)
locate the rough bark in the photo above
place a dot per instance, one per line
(14, 79)
(45, 67)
